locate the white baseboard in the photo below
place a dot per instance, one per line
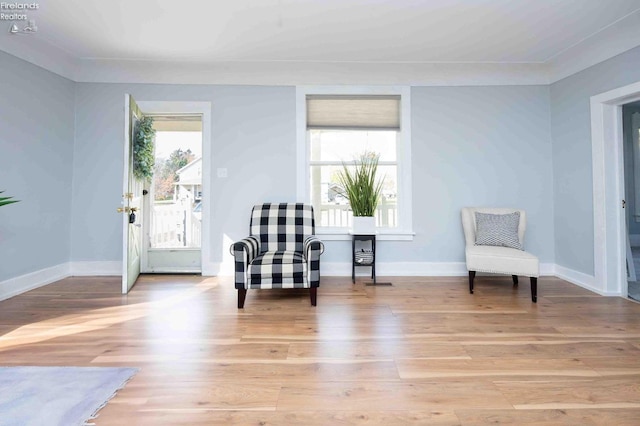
(114, 268)
(412, 269)
(426, 269)
(634, 240)
(96, 268)
(18, 285)
(580, 279)
(14, 286)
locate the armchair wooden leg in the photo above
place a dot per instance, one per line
(313, 293)
(515, 280)
(534, 289)
(242, 294)
(472, 275)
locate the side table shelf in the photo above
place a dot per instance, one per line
(368, 253)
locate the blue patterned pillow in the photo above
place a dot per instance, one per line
(499, 230)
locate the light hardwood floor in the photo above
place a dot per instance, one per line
(423, 351)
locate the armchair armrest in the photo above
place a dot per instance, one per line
(313, 243)
(250, 244)
(244, 251)
(313, 248)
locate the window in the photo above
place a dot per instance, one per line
(338, 126)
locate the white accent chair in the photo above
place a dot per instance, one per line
(500, 260)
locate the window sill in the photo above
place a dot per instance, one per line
(332, 235)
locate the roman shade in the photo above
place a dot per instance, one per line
(353, 112)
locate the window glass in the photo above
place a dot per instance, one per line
(328, 150)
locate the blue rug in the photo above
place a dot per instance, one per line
(65, 396)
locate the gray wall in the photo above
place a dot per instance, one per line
(572, 167)
(253, 136)
(471, 146)
(36, 153)
(479, 146)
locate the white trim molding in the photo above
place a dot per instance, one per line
(204, 108)
(18, 285)
(413, 269)
(289, 73)
(605, 44)
(580, 279)
(609, 243)
(613, 40)
(42, 54)
(405, 208)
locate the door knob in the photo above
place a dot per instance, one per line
(127, 209)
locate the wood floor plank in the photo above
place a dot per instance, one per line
(585, 417)
(552, 349)
(385, 396)
(586, 393)
(204, 417)
(390, 348)
(493, 368)
(615, 366)
(242, 395)
(422, 351)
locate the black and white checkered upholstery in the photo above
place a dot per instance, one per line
(272, 268)
(281, 251)
(282, 226)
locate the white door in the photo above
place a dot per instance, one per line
(131, 201)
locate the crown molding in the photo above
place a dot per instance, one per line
(312, 73)
(31, 48)
(609, 42)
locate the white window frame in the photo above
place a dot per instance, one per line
(404, 230)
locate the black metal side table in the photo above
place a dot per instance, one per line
(364, 257)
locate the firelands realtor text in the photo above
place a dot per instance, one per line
(11, 11)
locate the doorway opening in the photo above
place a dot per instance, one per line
(631, 150)
(174, 200)
(609, 210)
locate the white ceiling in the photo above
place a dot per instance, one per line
(321, 31)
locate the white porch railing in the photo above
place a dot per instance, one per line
(174, 226)
(339, 215)
(196, 231)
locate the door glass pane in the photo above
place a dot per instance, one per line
(176, 213)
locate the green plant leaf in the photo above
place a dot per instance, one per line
(360, 185)
(7, 200)
(143, 143)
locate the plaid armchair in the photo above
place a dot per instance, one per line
(280, 252)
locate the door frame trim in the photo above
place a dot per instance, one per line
(204, 108)
(609, 243)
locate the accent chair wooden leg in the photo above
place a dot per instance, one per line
(313, 293)
(472, 275)
(515, 280)
(242, 294)
(534, 289)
